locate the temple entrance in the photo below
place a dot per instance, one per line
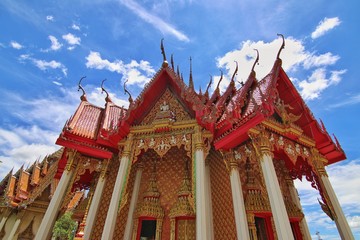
(148, 229)
(185, 229)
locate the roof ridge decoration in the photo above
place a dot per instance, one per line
(282, 45)
(191, 82)
(127, 92)
(83, 96)
(256, 62)
(107, 98)
(165, 63)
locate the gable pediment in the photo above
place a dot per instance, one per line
(169, 107)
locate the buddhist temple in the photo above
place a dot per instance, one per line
(181, 164)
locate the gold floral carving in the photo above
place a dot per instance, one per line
(161, 144)
(261, 142)
(173, 105)
(90, 164)
(71, 155)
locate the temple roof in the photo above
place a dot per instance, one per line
(96, 131)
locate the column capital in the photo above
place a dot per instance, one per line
(198, 138)
(231, 159)
(261, 141)
(126, 146)
(104, 169)
(71, 156)
(318, 162)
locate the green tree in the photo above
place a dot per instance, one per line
(65, 227)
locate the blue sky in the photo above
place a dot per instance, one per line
(47, 46)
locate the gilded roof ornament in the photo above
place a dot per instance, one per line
(83, 96)
(165, 63)
(107, 99)
(221, 78)
(127, 92)
(282, 45)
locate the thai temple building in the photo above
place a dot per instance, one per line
(181, 164)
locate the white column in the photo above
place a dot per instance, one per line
(51, 213)
(209, 212)
(340, 220)
(112, 213)
(303, 223)
(14, 229)
(281, 218)
(242, 228)
(95, 203)
(2, 223)
(201, 231)
(134, 198)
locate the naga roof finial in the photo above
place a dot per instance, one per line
(172, 62)
(221, 78)
(107, 99)
(191, 82)
(127, 92)
(256, 60)
(83, 96)
(208, 86)
(235, 72)
(282, 45)
(165, 63)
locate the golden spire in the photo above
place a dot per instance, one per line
(191, 82)
(83, 96)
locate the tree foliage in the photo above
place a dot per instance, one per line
(65, 227)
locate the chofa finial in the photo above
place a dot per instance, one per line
(165, 63)
(83, 96)
(127, 92)
(235, 72)
(107, 99)
(282, 45)
(221, 78)
(256, 60)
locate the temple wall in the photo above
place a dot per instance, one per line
(223, 211)
(105, 199)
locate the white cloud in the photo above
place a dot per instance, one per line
(55, 45)
(320, 60)
(20, 145)
(354, 222)
(71, 39)
(57, 83)
(317, 82)
(97, 98)
(295, 57)
(347, 102)
(324, 26)
(75, 27)
(137, 73)
(44, 65)
(50, 18)
(16, 45)
(155, 21)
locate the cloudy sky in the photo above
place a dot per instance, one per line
(47, 46)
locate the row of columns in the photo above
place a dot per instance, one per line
(204, 228)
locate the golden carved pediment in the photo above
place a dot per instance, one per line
(167, 107)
